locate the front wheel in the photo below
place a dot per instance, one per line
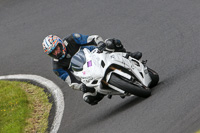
(154, 77)
(126, 86)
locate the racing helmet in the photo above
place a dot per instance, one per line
(52, 43)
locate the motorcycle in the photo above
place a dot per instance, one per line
(114, 73)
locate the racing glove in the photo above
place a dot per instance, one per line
(114, 45)
(101, 47)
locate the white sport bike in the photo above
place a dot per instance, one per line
(113, 74)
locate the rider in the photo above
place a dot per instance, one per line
(62, 52)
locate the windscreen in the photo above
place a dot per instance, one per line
(78, 60)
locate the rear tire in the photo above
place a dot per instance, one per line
(126, 86)
(154, 76)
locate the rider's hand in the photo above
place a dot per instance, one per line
(101, 47)
(117, 43)
(114, 45)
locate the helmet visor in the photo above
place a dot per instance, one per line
(57, 52)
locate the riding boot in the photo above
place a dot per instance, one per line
(93, 98)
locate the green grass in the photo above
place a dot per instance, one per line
(23, 108)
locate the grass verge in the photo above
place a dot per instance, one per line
(23, 108)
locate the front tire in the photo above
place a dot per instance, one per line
(126, 86)
(154, 76)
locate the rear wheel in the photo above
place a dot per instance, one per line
(126, 86)
(154, 76)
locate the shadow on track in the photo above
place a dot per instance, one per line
(107, 114)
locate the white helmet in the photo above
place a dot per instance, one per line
(49, 45)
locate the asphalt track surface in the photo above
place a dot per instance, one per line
(166, 31)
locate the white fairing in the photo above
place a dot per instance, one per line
(97, 63)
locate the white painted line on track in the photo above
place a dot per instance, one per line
(52, 88)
